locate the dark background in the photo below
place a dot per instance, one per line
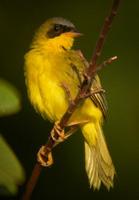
(26, 131)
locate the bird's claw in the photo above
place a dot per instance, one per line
(59, 131)
(45, 159)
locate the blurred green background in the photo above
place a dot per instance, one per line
(27, 131)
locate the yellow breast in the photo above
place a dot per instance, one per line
(44, 77)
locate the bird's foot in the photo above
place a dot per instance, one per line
(44, 158)
(58, 134)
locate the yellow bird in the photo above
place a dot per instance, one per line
(51, 65)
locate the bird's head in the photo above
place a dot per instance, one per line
(56, 34)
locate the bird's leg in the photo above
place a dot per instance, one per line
(67, 134)
(44, 155)
(57, 132)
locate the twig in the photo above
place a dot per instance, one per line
(89, 75)
(102, 37)
(106, 62)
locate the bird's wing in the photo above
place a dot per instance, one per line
(98, 98)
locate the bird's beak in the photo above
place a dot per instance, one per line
(73, 33)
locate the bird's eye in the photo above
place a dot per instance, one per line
(57, 27)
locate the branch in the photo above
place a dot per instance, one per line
(106, 62)
(102, 37)
(85, 87)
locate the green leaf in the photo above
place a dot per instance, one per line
(9, 99)
(11, 171)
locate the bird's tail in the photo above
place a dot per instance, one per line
(98, 163)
